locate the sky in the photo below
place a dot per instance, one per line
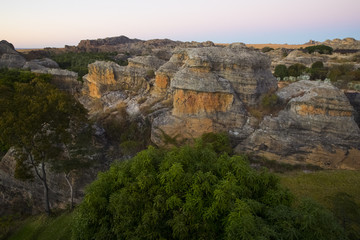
(53, 23)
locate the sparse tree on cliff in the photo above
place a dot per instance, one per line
(39, 121)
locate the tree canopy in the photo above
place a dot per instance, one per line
(196, 193)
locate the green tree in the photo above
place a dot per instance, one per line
(195, 193)
(78, 153)
(38, 120)
(281, 71)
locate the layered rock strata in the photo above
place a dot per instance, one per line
(316, 127)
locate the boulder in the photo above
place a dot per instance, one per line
(38, 64)
(64, 79)
(9, 57)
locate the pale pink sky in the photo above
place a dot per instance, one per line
(45, 23)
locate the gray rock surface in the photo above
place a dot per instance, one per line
(40, 64)
(316, 127)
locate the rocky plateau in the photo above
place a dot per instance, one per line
(187, 89)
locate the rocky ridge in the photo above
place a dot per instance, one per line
(186, 89)
(211, 89)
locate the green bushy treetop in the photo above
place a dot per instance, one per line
(318, 71)
(281, 71)
(266, 49)
(196, 192)
(322, 49)
(296, 69)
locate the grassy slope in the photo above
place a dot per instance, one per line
(322, 185)
(43, 227)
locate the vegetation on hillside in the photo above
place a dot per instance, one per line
(78, 62)
(343, 76)
(196, 192)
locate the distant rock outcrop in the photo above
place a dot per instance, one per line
(346, 43)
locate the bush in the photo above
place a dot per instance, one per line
(195, 193)
(322, 49)
(269, 100)
(318, 71)
(281, 71)
(266, 49)
(296, 69)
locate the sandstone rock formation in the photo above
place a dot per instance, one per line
(211, 88)
(317, 127)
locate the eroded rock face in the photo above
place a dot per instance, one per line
(211, 88)
(317, 127)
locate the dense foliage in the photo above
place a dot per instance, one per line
(322, 49)
(195, 193)
(78, 62)
(344, 76)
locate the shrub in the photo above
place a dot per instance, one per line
(266, 49)
(281, 71)
(195, 193)
(322, 49)
(318, 71)
(339, 72)
(296, 69)
(269, 100)
(317, 64)
(150, 73)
